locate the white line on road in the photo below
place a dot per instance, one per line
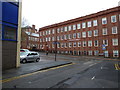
(92, 64)
(93, 78)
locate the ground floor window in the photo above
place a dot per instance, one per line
(96, 52)
(85, 53)
(106, 54)
(115, 53)
(79, 52)
(10, 33)
(89, 52)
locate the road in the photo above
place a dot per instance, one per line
(83, 73)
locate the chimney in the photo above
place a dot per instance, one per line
(119, 3)
(33, 26)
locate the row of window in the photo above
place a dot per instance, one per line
(90, 52)
(33, 39)
(79, 26)
(78, 35)
(84, 44)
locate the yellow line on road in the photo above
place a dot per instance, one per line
(117, 67)
(18, 77)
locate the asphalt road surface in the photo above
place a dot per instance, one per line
(88, 73)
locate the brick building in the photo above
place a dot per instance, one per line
(94, 34)
(29, 38)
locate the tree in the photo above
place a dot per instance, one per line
(24, 22)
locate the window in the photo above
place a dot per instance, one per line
(89, 33)
(84, 44)
(69, 36)
(74, 27)
(74, 35)
(94, 22)
(115, 42)
(89, 24)
(83, 34)
(79, 44)
(83, 25)
(95, 32)
(115, 53)
(104, 31)
(105, 42)
(53, 38)
(58, 38)
(65, 28)
(89, 52)
(62, 30)
(74, 44)
(49, 32)
(96, 43)
(65, 44)
(96, 52)
(65, 37)
(70, 44)
(58, 30)
(113, 19)
(78, 35)
(69, 28)
(62, 45)
(10, 33)
(78, 26)
(114, 30)
(53, 31)
(104, 20)
(89, 43)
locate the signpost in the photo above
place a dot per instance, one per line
(55, 43)
(103, 48)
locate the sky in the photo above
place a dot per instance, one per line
(46, 12)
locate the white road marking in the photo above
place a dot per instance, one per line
(93, 78)
(92, 64)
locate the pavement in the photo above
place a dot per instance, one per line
(32, 67)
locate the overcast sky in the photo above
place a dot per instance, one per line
(46, 12)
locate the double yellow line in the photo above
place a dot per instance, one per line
(18, 77)
(117, 67)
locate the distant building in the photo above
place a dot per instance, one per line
(94, 34)
(29, 38)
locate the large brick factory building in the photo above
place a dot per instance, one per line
(94, 34)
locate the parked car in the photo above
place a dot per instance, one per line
(24, 50)
(29, 56)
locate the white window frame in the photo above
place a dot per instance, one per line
(113, 19)
(95, 23)
(115, 53)
(115, 42)
(84, 25)
(104, 20)
(78, 26)
(114, 30)
(89, 24)
(104, 31)
(96, 43)
(95, 32)
(74, 27)
(89, 35)
(84, 34)
(90, 43)
(105, 42)
(84, 43)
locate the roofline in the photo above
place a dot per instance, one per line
(114, 9)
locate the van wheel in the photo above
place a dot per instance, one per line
(24, 61)
(37, 60)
